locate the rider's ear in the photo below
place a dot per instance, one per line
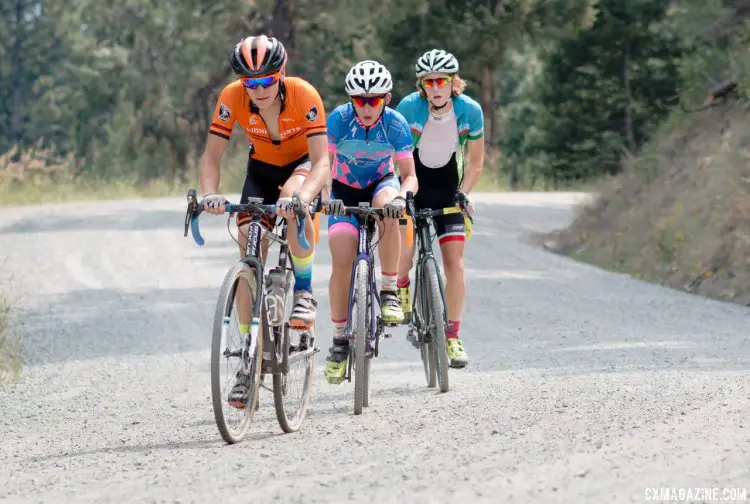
(388, 98)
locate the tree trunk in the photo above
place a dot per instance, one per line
(629, 105)
(16, 123)
(488, 104)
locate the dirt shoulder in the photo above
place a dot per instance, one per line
(680, 216)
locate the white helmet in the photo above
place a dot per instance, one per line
(368, 77)
(436, 60)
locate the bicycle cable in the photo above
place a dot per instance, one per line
(272, 235)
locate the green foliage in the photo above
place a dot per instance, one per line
(602, 91)
(127, 88)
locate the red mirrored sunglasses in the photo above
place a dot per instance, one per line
(373, 101)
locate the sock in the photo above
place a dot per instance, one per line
(302, 272)
(389, 282)
(452, 330)
(403, 282)
(244, 329)
(338, 329)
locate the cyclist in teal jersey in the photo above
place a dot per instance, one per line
(443, 122)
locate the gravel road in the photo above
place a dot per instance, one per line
(583, 386)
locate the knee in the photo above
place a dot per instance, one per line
(342, 254)
(453, 264)
(341, 261)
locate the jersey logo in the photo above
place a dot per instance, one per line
(224, 113)
(312, 114)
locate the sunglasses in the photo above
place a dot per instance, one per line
(373, 101)
(265, 82)
(436, 82)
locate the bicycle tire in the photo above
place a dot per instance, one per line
(361, 371)
(239, 271)
(292, 423)
(425, 348)
(428, 362)
(437, 323)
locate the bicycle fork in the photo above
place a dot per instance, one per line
(254, 262)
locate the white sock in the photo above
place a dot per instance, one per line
(389, 282)
(339, 326)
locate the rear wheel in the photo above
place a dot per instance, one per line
(227, 361)
(293, 385)
(436, 323)
(362, 334)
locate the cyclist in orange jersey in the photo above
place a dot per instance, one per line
(284, 119)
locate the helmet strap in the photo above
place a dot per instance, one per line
(440, 107)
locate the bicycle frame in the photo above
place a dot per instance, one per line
(425, 254)
(253, 259)
(365, 232)
(271, 363)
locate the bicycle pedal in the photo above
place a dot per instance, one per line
(300, 327)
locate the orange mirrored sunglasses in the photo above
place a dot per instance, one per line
(436, 82)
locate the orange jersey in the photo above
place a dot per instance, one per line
(302, 115)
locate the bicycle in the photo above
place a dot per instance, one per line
(269, 317)
(369, 327)
(426, 330)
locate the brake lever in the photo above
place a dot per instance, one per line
(463, 201)
(191, 208)
(299, 218)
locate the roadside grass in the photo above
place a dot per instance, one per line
(10, 345)
(37, 177)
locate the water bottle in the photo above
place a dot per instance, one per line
(275, 295)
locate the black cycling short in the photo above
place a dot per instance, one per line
(265, 181)
(437, 189)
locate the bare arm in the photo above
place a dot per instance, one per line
(210, 164)
(474, 164)
(408, 176)
(321, 168)
(326, 192)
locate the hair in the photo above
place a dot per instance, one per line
(458, 86)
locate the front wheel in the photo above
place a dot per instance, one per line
(361, 336)
(227, 347)
(436, 324)
(420, 315)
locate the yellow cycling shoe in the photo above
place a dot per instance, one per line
(404, 297)
(390, 308)
(456, 353)
(335, 370)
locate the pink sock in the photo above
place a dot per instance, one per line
(403, 282)
(452, 330)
